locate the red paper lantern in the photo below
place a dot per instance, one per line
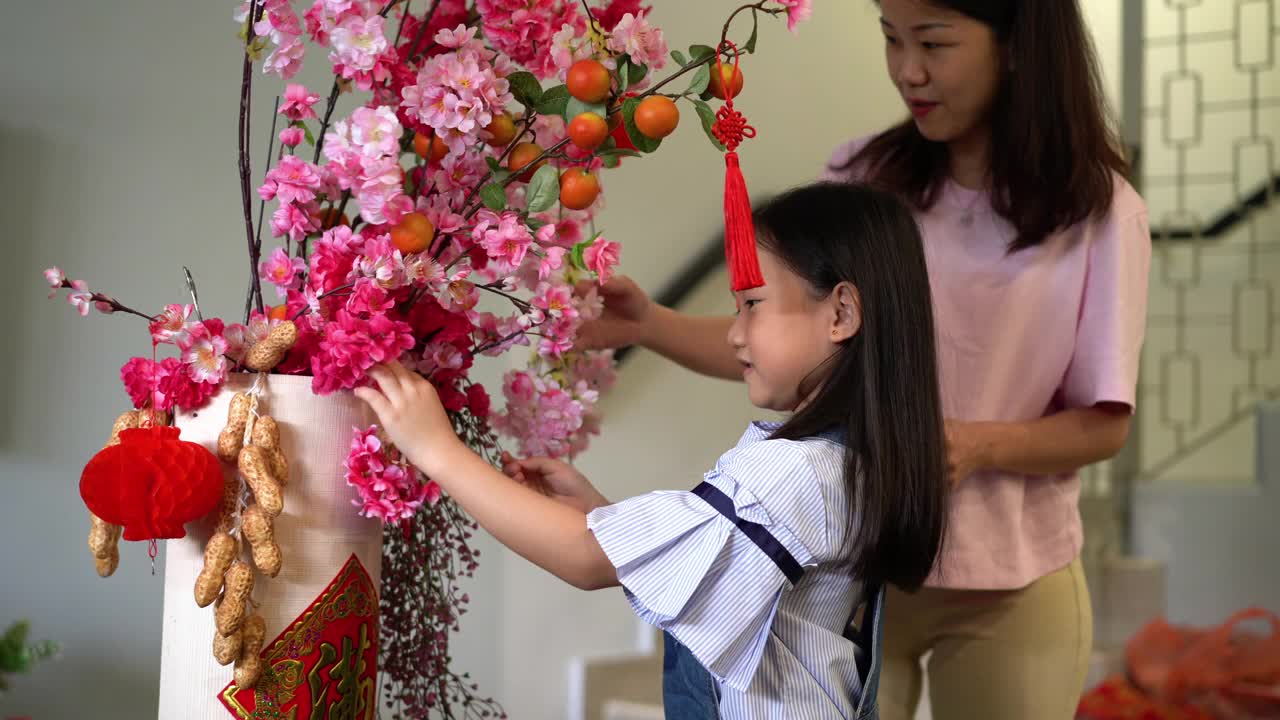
(152, 483)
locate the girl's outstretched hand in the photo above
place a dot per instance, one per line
(411, 414)
(557, 480)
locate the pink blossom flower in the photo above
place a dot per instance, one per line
(478, 401)
(293, 180)
(55, 277)
(421, 270)
(204, 352)
(456, 38)
(433, 492)
(387, 489)
(368, 298)
(285, 60)
(457, 94)
(504, 237)
(555, 301)
(357, 42)
(382, 264)
(333, 257)
(497, 335)
(282, 271)
(351, 345)
(291, 136)
(170, 326)
(177, 388)
(80, 298)
(636, 37)
(375, 131)
(539, 413)
(459, 295)
(385, 209)
(460, 171)
(568, 45)
(601, 257)
(609, 15)
(522, 29)
(797, 11)
(298, 102)
(139, 378)
(554, 346)
(293, 220)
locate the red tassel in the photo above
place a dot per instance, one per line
(731, 128)
(739, 230)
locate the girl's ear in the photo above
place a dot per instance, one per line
(848, 307)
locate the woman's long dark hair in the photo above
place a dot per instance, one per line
(1054, 148)
(881, 387)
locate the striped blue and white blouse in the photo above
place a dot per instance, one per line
(775, 650)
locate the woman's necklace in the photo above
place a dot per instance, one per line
(966, 215)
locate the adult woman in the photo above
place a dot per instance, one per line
(1038, 254)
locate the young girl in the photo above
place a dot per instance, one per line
(756, 573)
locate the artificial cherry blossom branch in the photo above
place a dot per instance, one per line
(115, 305)
(246, 85)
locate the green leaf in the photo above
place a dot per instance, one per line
(576, 107)
(575, 255)
(534, 223)
(708, 119)
(610, 161)
(701, 79)
(306, 132)
(526, 88)
(493, 164)
(544, 189)
(624, 80)
(700, 52)
(636, 72)
(493, 196)
(642, 142)
(751, 41)
(679, 58)
(553, 100)
(618, 152)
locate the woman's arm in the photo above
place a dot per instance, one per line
(1059, 443)
(699, 343)
(631, 317)
(549, 534)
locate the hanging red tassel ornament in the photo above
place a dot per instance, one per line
(152, 483)
(731, 128)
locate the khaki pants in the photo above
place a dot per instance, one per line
(997, 655)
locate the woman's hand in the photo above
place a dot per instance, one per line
(410, 413)
(627, 311)
(557, 480)
(967, 449)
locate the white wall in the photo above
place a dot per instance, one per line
(117, 162)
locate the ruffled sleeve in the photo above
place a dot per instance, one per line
(688, 569)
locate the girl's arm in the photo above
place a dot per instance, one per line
(1059, 443)
(547, 533)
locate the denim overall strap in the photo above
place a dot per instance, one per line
(869, 639)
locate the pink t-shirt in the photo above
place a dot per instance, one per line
(1020, 337)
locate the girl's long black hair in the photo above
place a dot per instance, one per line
(881, 387)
